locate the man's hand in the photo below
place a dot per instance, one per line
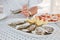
(33, 10)
(25, 10)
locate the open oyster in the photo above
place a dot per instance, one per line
(44, 30)
(48, 29)
(31, 28)
(16, 23)
(40, 31)
(25, 25)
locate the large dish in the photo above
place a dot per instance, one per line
(7, 32)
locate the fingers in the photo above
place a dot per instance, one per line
(25, 10)
(33, 10)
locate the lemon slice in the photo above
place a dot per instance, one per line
(39, 22)
(31, 20)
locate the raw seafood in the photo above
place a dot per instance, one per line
(16, 23)
(40, 31)
(49, 29)
(23, 26)
(16, 11)
(31, 28)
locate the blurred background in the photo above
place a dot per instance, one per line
(16, 4)
(55, 6)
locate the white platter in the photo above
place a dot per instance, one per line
(18, 19)
(10, 33)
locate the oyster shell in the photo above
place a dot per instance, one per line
(12, 24)
(40, 31)
(26, 30)
(48, 29)
(31, 28)
(23, 26)
(16, 23)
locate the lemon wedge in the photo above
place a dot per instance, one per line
(39, 22)
(31, 20)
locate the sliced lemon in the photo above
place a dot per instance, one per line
(39, 22)
(31, 20)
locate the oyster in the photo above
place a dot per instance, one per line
(16, 11)
(16, 23)
(31, 28)
(25, 25)
(49, 29)
(40, 31)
